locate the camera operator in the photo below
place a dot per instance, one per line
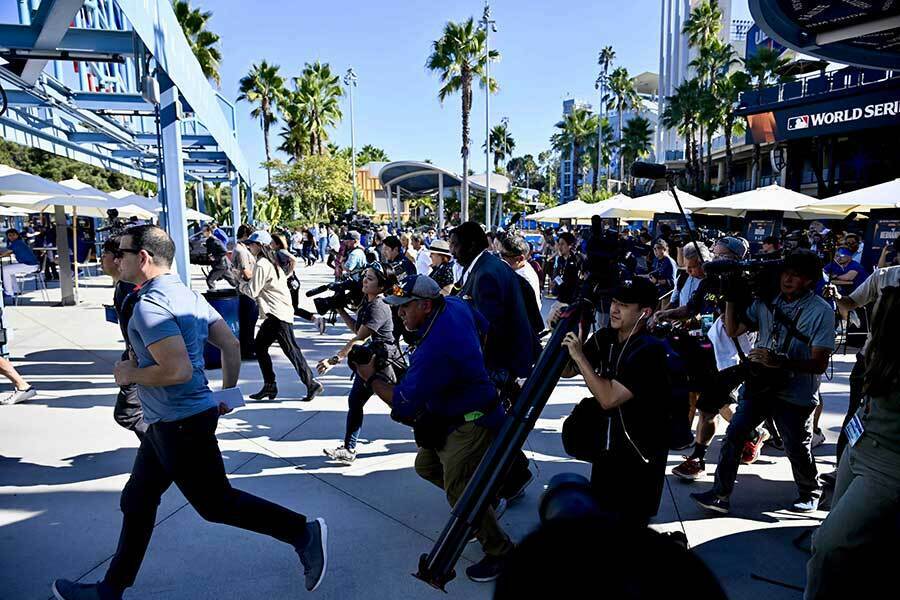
(855, 547)
(771, 246)
(890, 254)
(217, 253)
(511, 345)
(392, 253)
(373, 324)
(566, 270)
(354, 255)
(625, 369)
(714, 372)
(450, 400)
(796, 337)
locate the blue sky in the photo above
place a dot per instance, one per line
(549, 53)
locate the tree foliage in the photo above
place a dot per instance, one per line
(313, 188)
(204, 43)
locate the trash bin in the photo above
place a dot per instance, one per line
(226, 304)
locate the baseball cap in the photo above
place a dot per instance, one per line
(845, 251)
(440, 246)
(636, 291)
(735, 245)
(261, 237)
(805, 262)
(352, 235)
(417, 287)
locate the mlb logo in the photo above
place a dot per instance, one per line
(801, 122)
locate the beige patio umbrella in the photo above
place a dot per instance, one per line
(882, 195)
(771, 197)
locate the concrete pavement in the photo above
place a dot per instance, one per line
(63, 462)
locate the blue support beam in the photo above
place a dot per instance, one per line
(51, 21)
(250, 214)
(24, 37)
(97, 101)
(201, 196)
(235, 203)
(146, 139)
(206, 155)
(173, 173)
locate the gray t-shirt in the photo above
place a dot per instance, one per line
(814, 318)
(167, 308)
(376, 315)
(241, 258)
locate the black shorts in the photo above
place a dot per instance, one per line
(719, 391)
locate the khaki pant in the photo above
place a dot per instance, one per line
(451, 467)
(863, 513)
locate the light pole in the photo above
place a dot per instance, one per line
(350, 82)
(488, 25)
(505, 122)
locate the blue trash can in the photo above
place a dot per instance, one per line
(226, 304)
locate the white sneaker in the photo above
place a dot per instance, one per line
(320, 324)
(342, 454)
(17, 396)
(818, 438)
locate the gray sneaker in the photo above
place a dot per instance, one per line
(314, 556)
(63, 589)
(17, 396)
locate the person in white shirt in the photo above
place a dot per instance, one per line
(423, 256)
(514, 251)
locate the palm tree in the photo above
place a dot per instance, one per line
(605, 59)
(681, 113)
(264, 87)
(621, 97)
(727, 90)
(764, 68)
(203, 43)
(458, 56)
(606, 138)
(318, 92)
(370, 153)
(502, 144)
(577, 131)
(636, 141)
(704, 24)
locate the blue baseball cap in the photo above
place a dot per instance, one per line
(261, 237)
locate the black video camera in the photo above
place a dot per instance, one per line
(743, 280)
(362, 354)
(347, 292)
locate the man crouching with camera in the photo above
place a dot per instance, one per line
(448, 398)
(623, 429)
(796, 337)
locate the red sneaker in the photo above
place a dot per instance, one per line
(753, 447)
(690, 470)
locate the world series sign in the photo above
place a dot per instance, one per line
(879, 108)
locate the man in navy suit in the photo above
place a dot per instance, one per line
(511, 346)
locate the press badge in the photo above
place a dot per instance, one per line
(854, 430)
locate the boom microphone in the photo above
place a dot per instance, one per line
(319, 290)
(648, 170)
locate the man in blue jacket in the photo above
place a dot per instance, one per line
(446, 387)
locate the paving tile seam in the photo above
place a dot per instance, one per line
(74, 343)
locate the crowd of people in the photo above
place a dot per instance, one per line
(447, 325)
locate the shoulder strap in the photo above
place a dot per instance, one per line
(790, 326)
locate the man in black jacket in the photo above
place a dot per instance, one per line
(218, 259)
(511, 346)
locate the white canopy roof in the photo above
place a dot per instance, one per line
(85, 206)
(14, 181)
(882, 195)
(771, 197)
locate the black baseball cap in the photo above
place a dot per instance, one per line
(804, 262)
(417, 287)
(638, 291)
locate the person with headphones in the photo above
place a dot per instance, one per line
(625, 369)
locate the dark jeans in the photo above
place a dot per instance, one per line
(356, 401)
(276, 330)
(186, 452)
(795, 425)
(220, 270)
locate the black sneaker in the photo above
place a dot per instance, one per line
(712, 502)
(314, 556)
(63, 589)
(805, 504)
(487, 569)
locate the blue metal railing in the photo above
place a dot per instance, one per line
(811, 86)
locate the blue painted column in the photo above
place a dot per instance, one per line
(235, 202)
(249, 204)
(173, 176)
(201, 197)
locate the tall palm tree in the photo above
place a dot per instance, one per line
(577, 131)
(636, 141)
(458, 57)
(318, 93)
(681, 114)
(605, 59)
(727, 90)
(621, 97)
(607, 141)
(264, 87)
(502, 144)
(764, 68)
(203, 43)
(370, 153)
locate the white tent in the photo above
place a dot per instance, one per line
(560, 211)
(14, 181)
(882, 195)
(126, 199)
(644, 208)
(771, 197)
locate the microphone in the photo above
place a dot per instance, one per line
(648, 170)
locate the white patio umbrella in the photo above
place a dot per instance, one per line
(14, 181)
(561, 211)
(644, 208)
(13, 211)
(771, 197)
(152, 204)
(882, 195)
